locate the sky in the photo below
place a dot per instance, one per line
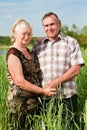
(69, 11)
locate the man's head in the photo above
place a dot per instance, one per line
(51, 24)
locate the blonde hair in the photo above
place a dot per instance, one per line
(16, 24)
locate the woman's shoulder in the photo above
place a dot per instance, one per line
(14, 51)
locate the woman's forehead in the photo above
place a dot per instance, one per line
(22, 27)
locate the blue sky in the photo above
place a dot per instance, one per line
(69, 11)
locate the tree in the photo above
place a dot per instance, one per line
(65, 29)
(84, 30)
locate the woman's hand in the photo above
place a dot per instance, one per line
(49, 91)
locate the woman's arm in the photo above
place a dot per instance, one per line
(15, 69)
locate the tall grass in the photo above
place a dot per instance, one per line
(3, 88)
(85, 115)
(48, 120)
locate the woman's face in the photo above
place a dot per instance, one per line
(23, 34)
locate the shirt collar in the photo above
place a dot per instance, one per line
(58, 38)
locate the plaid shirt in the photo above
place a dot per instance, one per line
(56, 58)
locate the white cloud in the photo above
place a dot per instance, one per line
(9, 16)
(6, 4)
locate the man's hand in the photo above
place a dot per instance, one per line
(9, 77)
(53, 84)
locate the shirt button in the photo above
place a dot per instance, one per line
(52, 76)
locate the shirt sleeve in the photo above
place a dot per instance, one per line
(76, 54)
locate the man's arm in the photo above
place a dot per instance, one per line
(72, 72)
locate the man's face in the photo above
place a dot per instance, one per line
(51, 26)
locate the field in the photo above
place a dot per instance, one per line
(49, 121)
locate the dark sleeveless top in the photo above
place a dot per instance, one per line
(17, 96)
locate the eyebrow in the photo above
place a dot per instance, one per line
(49, 24)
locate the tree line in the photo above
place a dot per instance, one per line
(80, 35)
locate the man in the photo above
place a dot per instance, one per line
(60, 60)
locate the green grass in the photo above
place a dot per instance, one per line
(3, 88)
(49, 120)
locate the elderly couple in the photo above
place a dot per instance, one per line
(53, 63)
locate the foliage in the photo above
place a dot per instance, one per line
(3, 88)
(49, 121)
(5, 40)
(80, 35)
(33, 40)
(84, 30)
(82, 81)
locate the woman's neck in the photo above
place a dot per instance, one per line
(19, 47)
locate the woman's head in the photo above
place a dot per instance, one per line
(21, 29)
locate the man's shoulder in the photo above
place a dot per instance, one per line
(67, 37)
(38, 42)
(40, 39)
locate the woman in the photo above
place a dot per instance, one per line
(23, 68)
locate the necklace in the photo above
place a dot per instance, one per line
(23, 50)
(19, 48)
